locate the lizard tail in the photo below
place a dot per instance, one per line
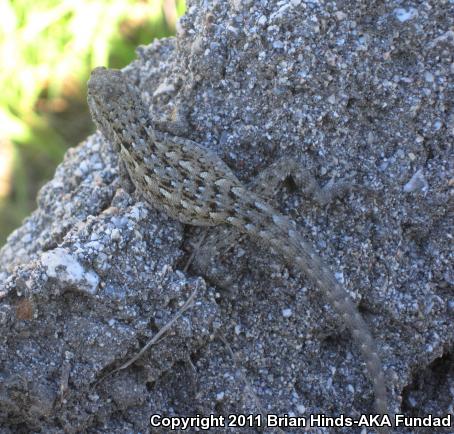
(258, 219)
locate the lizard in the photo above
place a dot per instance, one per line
(196, 187)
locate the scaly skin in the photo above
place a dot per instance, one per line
(196, 187)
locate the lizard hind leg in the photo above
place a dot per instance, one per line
(216, 242)
(269, 181)
(221, 239)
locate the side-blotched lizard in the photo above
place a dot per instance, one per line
(194, 186)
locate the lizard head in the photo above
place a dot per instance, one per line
(114, 102)
(108, 85)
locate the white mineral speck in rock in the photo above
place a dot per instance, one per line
(66, 268)
(340, 277)
(405, 14)
(115, 235)
(135, 213)
(416, 183)
(286, 313)
(262, 20)
(301, 408)
(429, 77)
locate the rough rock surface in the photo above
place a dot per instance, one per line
(362, 90)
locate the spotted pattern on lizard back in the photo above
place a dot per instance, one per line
(194, 186)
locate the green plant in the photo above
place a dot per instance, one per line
(47, 50)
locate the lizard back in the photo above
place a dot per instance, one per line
(188, 181)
